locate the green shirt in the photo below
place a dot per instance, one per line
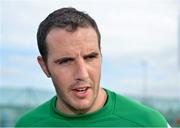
(118, 111)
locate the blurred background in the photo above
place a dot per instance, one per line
(140, 47)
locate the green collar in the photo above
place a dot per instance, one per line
(100, 112)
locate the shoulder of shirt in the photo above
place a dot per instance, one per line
(136, 112)
(37, 114)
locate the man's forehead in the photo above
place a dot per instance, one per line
(74, 49)
(63, 36)
(84, 41)
(67, 30)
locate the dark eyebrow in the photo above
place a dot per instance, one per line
(95, 54)
(63, 59)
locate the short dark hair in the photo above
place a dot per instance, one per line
(67, 18)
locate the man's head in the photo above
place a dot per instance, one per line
(69, 43)
(67, 18)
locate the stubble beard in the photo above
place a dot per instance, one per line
(66, 102)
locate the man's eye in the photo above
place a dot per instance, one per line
(90, 57)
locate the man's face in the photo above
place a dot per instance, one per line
(74, 64)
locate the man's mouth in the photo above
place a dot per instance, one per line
(81, 89)
(81, 92)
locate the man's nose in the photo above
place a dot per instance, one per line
(81, 70)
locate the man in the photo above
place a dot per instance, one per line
(69, 44)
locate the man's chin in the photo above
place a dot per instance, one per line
(83, 107)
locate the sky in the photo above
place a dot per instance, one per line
(139, 44)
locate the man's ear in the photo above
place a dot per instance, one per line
(43, 66)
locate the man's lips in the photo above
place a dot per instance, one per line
(81, 89)
(81, 86)
(81, 92)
